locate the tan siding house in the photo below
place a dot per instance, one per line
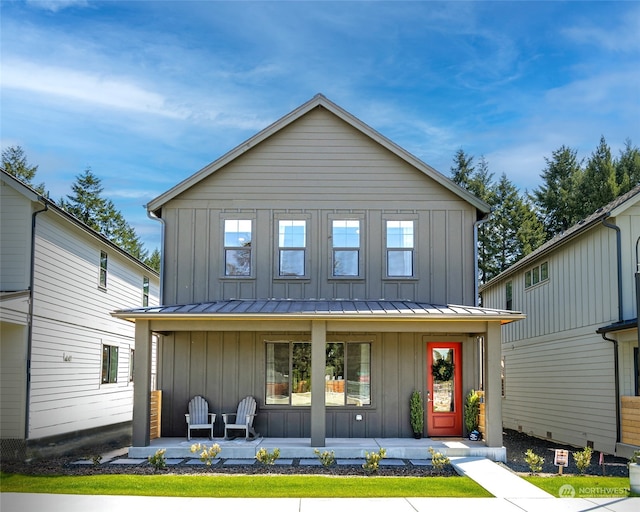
(313, 267)
(571, 368)
(56, 331)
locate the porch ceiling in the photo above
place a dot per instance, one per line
(319, 309)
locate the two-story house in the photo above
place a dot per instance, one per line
(571, 368)
(314, 267)
(66, 370)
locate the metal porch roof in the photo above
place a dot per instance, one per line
(319, 308)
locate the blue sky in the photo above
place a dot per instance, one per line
(148, 92)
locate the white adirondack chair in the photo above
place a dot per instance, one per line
(242, 419)
(199, 416)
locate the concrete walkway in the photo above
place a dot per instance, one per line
(13, 502)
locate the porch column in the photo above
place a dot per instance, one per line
(493, 385)
(318, 363)
(142, 385)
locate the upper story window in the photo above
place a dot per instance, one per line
(346, 247)
(536, 275)
(400, 246)
(103, 270)
(145, 291)
(508, 291)
(237, 247)
(292, 242)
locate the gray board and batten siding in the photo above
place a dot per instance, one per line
(318, 168)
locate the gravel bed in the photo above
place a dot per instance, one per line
(516, 443)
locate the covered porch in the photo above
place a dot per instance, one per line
(219, 350)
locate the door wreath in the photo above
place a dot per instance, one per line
(442, 370)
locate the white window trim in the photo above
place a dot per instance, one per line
(361, 249)
(276, 245)
(385, 261)
(223, 248)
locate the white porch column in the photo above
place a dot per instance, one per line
(318, 364)
(493, 385)
(142, 385)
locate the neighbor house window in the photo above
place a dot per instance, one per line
(536, 275)
(237, 247)
(347, 374)
(292, 242)
(132, 354)
(145, 291)
(400, 245)
(103, 269)
(508, 290)
(503, 363)
(346, 247)
(109, 364)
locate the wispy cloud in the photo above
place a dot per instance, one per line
(103, 91)
(57, 5)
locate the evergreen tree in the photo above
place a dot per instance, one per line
(462, 170)
(598, 185)
(153, 260)
(628, 167)
(87, 204)
(14, 161)
(556, 199)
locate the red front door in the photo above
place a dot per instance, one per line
(444, 384)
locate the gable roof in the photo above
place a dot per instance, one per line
(317, 101)
(31, 194)
(614, 208)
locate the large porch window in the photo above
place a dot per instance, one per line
(347, 374)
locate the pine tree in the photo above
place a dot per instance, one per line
(153, 260)
(628, 167)
(556, 198)
(598, 185)
(14, 161)
(87, 204)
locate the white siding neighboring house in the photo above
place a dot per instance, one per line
(571, 368)
(65, 361)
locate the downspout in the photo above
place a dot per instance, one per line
(30, 326)
(476, 268)
(619, 263)
(616, 372)
(152, 216)
(616, 369)
(638, 303)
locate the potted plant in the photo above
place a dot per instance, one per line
(472, 414)
(634, 472)
(416, 407)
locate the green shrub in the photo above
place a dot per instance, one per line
(372, 460)
(438, 460)
(266, 458)
(157, 460)
(583, 459)
(327, 458)
(207, 455)
(534, 461)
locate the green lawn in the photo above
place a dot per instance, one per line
(255, 486)
(583, 486)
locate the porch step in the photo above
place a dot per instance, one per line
(343, 448)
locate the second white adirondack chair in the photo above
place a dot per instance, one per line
(199, 416)
(242, 419)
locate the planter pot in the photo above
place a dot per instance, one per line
(634, 478)
(417, 435)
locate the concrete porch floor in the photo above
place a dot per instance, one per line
(344, 448)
